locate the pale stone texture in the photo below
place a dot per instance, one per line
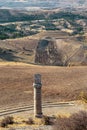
(37, 96)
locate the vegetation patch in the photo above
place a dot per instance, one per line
(46, 120)
(77, 121)
(6, 121)
(83, 96)
(30, 121)
(29, 23)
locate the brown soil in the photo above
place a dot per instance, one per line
(59, 83)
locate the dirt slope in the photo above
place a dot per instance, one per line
(21, 50)
(59, 83)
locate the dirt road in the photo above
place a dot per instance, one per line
(50, 109)
(55, 108)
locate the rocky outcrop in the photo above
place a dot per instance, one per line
(47, 53)
(60, 52)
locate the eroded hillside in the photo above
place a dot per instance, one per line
(19, 50)
(44, 49)
(61, 52)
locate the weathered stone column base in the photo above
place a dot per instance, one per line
(39, 115)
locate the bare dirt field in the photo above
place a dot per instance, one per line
(59, 83)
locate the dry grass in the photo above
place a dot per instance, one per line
(21, 50)
(55, 34)
(30, 121)
(83, 96)
(77, 121)
(6, 121)
(59, 83)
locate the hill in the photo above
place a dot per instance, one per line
(70, 50)
(67, 29)
(20, 23)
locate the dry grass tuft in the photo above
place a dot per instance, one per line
(62, 115)
(30, 121)
(46, 120)
(83, 96)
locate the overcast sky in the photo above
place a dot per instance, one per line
(42, 3)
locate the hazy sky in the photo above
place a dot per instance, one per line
(42, 3)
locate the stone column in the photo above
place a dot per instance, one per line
(37, 96)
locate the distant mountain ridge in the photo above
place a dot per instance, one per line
(26, 4)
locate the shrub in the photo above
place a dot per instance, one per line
(45, 120)
(30, 121)
(7, 120)
(3, 123)
(77, 121)
(61, 124)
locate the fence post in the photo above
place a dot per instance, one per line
(37, 96)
